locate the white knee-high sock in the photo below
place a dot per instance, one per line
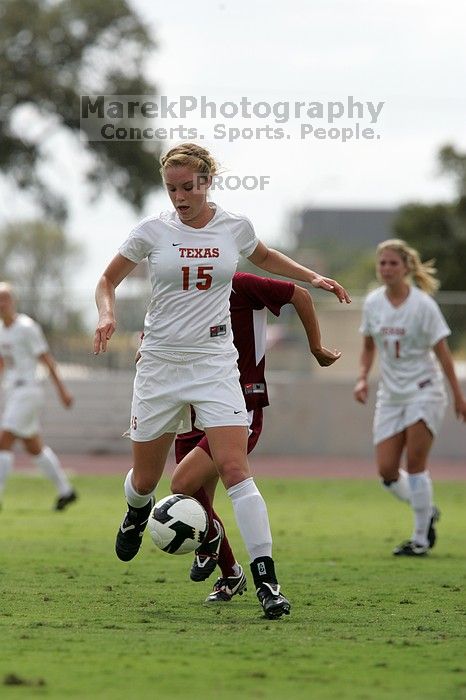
(400, 488)
(49, 464)
(135, 499)
(420, 486)
(252, 518)
(6, 465)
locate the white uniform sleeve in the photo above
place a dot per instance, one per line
(37, 341)
(246, 238)
(434, 326)
(137, 246)
(365, 327)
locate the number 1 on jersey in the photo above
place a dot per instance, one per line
(396, 345)
(204, 279)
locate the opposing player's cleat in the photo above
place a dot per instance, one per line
(432, 533)
(411, 549)
(206, 556)
(274, 604)
(131, 530)
(226, 588)
(63, 501)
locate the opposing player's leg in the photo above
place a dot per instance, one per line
(197, 476)
(49, 464)
(228, 445)
(148, 464)
(226, 587)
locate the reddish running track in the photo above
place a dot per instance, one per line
(262, 465)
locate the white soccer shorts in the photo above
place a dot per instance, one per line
(21, 413)
(391, 419)
(167, 384)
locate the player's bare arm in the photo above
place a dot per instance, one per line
(48, 360)
(302, 301)
(443, 353)
(361, 389)
(117, 270)
(279, 264)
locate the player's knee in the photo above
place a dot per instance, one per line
(33, 450)
(388, 472)
(7, 440)
(233, 472)
(180, 484)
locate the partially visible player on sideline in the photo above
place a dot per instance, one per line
(22, 346)
(196, 474)
(187, 354)
(407, 328)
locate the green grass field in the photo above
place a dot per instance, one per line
(77, 623)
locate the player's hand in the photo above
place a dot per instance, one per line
(66, 398)
(361, 391)
(330, 285)
(325, 357)
(103, 333)
(460, 409)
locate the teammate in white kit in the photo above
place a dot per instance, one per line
(405, 325)
(251, 296)
(22, 346)
(187, 354)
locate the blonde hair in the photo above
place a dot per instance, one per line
(191, 155)
(423, 273)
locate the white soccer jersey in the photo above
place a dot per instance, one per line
(404, 337)
(191, 271)
(20, 345)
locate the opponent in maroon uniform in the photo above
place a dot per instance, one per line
(196, 474)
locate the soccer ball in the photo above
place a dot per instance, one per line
(178, 524)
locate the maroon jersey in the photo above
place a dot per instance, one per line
(250, 298)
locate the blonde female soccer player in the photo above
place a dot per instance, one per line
(405, 325)
(187, 354)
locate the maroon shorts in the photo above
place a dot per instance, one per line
(186, 442)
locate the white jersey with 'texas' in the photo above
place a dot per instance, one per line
(21, 343)
(191, 271)
(404, 337)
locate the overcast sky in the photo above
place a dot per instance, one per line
(406, 58)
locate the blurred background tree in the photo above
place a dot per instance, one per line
(38, 258)
(50, 54)
(438, 231)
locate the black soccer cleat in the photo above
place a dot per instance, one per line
(129, 535)
(63, 501)
(432, 533)
(225, 588)
(274, 604)
(411, 549)
(206, 556)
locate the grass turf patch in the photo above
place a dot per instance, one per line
(78, 623)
